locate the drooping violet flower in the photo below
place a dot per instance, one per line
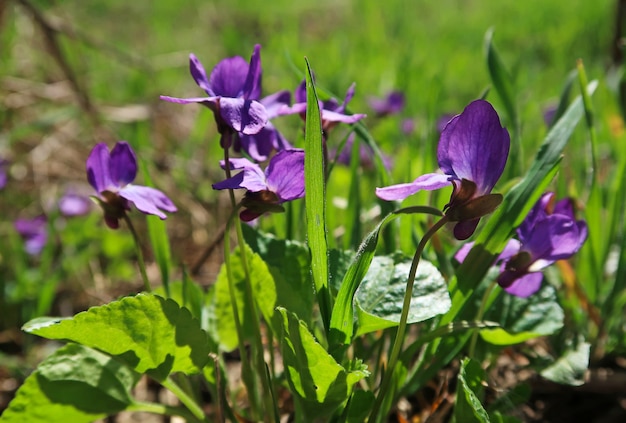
(73, 204)
(3, 172)
(472, 152)
(550, 232)
(283, 180)
(111, 174)
(260, 145)
(391, 104)
(233, 90)
(332, 112)
(34, 232)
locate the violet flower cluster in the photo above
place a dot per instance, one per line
(111, 174)
(549, 233)
(472, 153)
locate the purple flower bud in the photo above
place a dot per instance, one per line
(34, 232)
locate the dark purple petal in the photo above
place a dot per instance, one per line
(251, 178)
(123, 164)
(347, 98)
(526, 285)
(246, 116)
(148, 200)
(300, 93)
(260, 146)
(229, 76)
(199, 75)
(554, 238)
(465, 229)
(285, 174)
(3, 172)
(98, 170)
(475, 146)
(565, 207)
(252, 86)
(539, 212)
(428, 182)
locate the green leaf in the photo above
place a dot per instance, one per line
(524, 318)
(149, 333)
(469, 390)
(342, 320)
(75, 384)
(380, 296)
(319, 384)
(315, 197)
(187, 294)
(501, 78)
(264, 291)
(570, 368)
(289, 263)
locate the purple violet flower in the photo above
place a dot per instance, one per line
(283, 180)
(549, 233)
(233, 89)
(73, 204)
(111, 174)
(332, 112)
(366, 155)
(34, 232)
(3, 172)
(260, 145)
(472, 152)
(391, 104)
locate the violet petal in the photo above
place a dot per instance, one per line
(98, 170)
(526, 285)
(247, 116)
(429, 182)
(229, 76)
(123, 164)
(285, 175)
(199, 74)
(252, 85)
(148, 200)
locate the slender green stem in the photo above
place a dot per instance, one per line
(141, 263)
(479, 317)
(593, 165)
(399, 339)
(165, 410)
(185, 398)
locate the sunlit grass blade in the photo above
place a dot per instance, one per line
(315, 197)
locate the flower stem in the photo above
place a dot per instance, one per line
(479, 316)
(140, 261)
(187, 400)
(166, 410)
(399, 339)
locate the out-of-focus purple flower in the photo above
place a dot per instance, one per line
(260, 145)
(472, 153)
(391, 104)
(111, 174)
(3, 172)
(549, 233)
(331, 110)
(549, 113)
(283, 180)
(34, 232)
(73, 204)
(233, 89)
(407, 126)
(366, 155)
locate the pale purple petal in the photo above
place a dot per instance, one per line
(347, 98)
(252, 86)
(148, 200)
(512, 247)
(428, 182)
(259, 146)
(34, 232)
(285, 175)
(526, 285)
(329, 116)
(475, 146)
(211, 102)
(199, 74)
(123, 164)
(246, 116)
(274, 103)
(391, 104)
(461, 255)
(72, 204)
(98, 170)
(229, 76)
(251, 177)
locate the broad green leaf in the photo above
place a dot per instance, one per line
(380, 296)
(148, 332)
(570, 368)
(318, 382)
(469, 391)
(315, 197)
(290, 265)
(342, 320)
(75, 384)
(524, 318)
(186, 294)
(264, 291)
